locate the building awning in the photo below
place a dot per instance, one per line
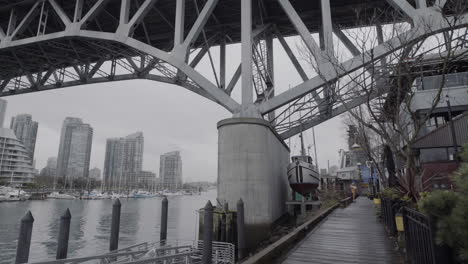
(441, 137)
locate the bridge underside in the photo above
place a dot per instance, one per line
(51, 44)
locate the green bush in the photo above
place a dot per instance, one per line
(450, 211)
(439, 205)
(330, 197)
(390, 193)
(459, 216)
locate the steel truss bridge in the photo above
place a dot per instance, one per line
(51, 44)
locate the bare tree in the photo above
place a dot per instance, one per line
(385, 88)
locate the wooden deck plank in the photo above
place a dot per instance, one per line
(350, 235)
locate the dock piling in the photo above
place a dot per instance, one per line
(64, 234)
(24, 239)
(207, 233)
(115, 226)
(240, 230)
(164, 215)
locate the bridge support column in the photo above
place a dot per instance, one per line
(252, 162)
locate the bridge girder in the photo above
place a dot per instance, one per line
(49, 44)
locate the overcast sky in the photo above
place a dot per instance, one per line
(171, 118)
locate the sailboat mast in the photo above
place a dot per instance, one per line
(303, 153)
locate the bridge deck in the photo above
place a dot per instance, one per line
(350, 235)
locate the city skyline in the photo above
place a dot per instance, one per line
(167, 135)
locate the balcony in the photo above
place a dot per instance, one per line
(455, 86)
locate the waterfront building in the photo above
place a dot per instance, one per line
(124, 157)
(51, 167)
(95, 173)
(25, 130)
(133, 153)
(142, 179)
(3, 107)
(170, 170)
(113, 162)
(74, 149)
(15, 165)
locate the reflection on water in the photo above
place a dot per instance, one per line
(90, 224)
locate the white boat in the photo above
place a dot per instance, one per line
(58, 195)
(171, 193)
(141, 194)
(9, 194)
(302, 174)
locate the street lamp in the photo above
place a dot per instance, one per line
(452, 128)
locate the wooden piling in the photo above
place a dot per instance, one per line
(164, 215)
(115, 226)
(207, 233)
(24, 239)
(64, 234)
(240, 230)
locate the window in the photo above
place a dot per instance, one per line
(433, 154)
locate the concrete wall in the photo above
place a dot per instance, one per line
(252, 163)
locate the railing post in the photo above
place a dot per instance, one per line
(64, 233)
(24, 239)
(164, 214)
(207, 234)
(240, 230)
(115, 226)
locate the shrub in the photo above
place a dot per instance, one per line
(390, 193)
(439, 205)
(459, 216)
(450, 211)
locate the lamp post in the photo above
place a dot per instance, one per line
(452, 128)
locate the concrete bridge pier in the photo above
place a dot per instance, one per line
(252, 162)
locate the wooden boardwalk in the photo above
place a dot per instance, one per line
(350, 235)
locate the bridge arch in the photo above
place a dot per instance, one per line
(119, 47)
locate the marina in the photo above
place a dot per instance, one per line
(90, 224)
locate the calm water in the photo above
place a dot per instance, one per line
(90, 224)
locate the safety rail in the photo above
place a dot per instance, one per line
(418, 237)
(158, 252)
(223, 253)
(390, 207)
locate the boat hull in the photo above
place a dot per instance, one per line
(302, 177)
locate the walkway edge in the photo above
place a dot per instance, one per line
(276, 249)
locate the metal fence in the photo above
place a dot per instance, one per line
(162, 252)
(418, 237)
(390, 208)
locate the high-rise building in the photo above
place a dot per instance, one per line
(113, 163)
(170, 170)
(124, 157)
(15, 165)
(133, 152)
(74, 149)
(3, 107)
(95, 173)
(51, 167)
(26, 131)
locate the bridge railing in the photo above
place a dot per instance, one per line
(390, 208)
(419, 238)
(158, 252)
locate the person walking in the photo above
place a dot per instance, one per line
(354, 190)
